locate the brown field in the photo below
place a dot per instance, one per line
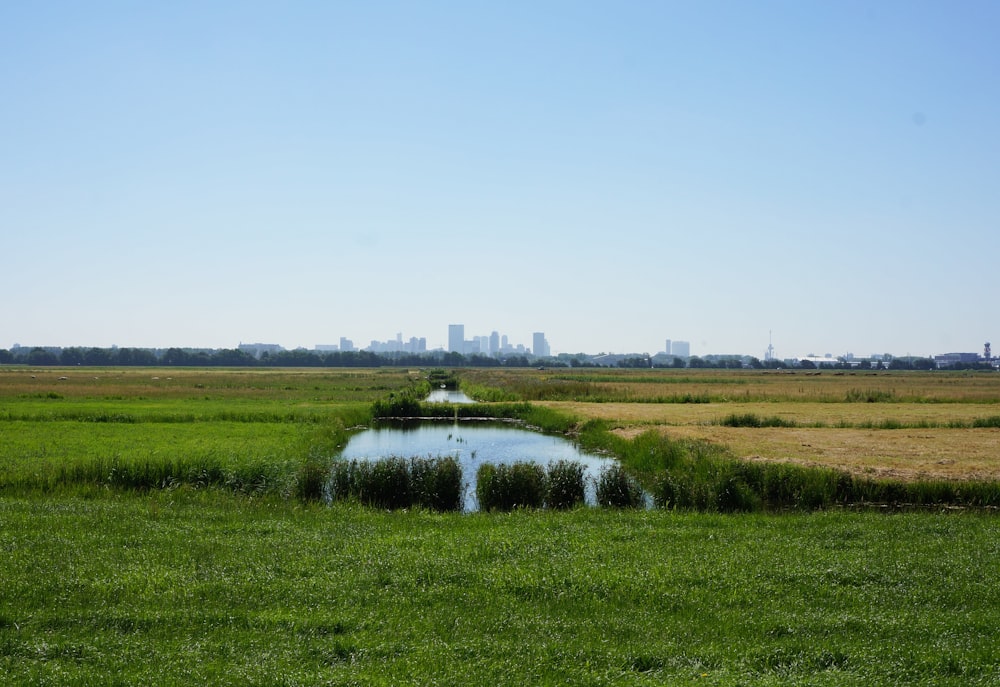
(932, 414)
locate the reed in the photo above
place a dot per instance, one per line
(506, 487)
(395, 483)
(565, 486)
(312, 479)
(436, 483)
(617, 489)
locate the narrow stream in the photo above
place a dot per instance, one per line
(472, 444)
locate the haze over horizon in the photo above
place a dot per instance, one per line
(613, 174)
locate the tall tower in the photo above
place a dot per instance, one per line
(456, 338)
(770, 347)
(539, 346)
(986, 352)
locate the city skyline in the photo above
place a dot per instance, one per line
(192, 174)
(496, 344)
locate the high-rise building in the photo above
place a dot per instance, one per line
(666, 349)
(539, 346)
(681, 349)
(495, 343)
(346, 344)
(456, 338)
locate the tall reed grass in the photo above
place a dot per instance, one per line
(395, 483)
(616, 488)
(506, 487)
(694, 475)
(564, 484)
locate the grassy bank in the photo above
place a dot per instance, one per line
(189, 587)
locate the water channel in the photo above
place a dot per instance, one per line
(448, 396)
(472, 443)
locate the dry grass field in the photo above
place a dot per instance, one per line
(909, 425)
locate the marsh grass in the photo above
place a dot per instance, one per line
(616, 488)
(395, 483)
(698, 476)
(754, 420)
(561, 485)
(564, 484)
(506, 487)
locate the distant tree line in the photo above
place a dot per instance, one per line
(234, 357)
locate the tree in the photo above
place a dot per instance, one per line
(97, 357)
(72, 356)
(136, 356)
(39, 356)
(175, 356)
(233, 357)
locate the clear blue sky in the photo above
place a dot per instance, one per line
(611, 173)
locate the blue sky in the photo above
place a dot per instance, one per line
(613, 174)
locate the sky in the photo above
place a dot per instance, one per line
(613, 174)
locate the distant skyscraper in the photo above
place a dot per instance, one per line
(346, 344)
(682, 349)
(539, 346)
(495, 343)
(456, 338)
(666, 348)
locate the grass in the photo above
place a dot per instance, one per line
(135, 571)
(754, 420)
(199, 587)
(732, 386)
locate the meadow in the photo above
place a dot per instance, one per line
(158, 526)
(900, 425)
(182, 588)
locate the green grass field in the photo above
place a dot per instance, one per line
(208, 588)
(113, 572)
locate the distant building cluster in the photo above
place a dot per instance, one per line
(495, 344)
(678, 349)
(397, 345)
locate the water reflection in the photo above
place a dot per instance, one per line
(472, 444)
(448, 396)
